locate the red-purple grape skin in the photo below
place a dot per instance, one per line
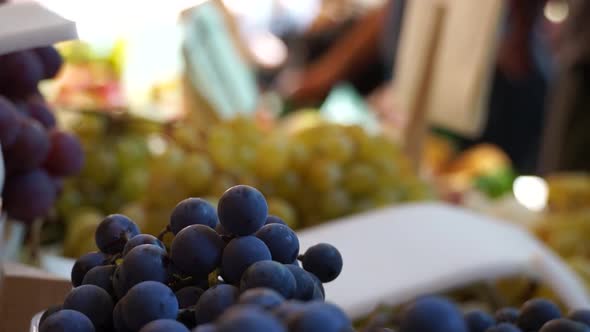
(65, 156)
(9, 124)
(20, 72)
(28, 196)
(30, 148)
(40, 112)
(50, 59)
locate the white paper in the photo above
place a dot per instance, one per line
(28, 25)
(395, 254)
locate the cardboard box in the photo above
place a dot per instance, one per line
(25, 291)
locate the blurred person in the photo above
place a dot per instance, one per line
(366, 54)
(567, 137)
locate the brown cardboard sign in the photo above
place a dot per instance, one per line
(25, 291)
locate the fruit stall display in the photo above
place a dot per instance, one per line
(310, 170)
(566, 224)
(235, 268)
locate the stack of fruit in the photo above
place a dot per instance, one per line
(309, 173)
(241, 273)
(566, 224)
(238, 269)
(36, 153)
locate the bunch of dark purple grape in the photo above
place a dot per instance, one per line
(234, 269)
(37, 155)
(438, 314)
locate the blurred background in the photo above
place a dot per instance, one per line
(330, 108)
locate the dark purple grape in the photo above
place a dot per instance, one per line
(145, 262)
(67, 321)
(304, 282)
(504, 327)
(265, 298)
(248, 318)
(101, 276)
(269, 274)
(113, 233)
(206, 328)
(581, 316)
(50, 311)
(20, 72)
(142, 239)
(148, 301)
(164, 325)
(288, 309)
(479, 321)
(564, 325)
(86, 263)
(94, 302)
(29, 149)
(535, 313)
(196, 250)
(281, 241)
(188, 296)
(326, 317)
(507, 315)
(50, 59)
(41, 112)
(66, 156)
(192, 211)
(270, 219)
(118, 319)
(29, 196)
(214, 302)
(432, 314)
(323, 260)
(242, 210)
(9, 123)
(239, 254)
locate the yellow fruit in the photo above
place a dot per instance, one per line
(282, 209)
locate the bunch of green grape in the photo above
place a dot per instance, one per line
(312, 175)
(114, 177)
(309, 176)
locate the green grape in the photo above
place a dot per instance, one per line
(195, 173)
(323, 174)
(69, 199)
(300, 155)
(246, 129)
(133, 184)
(187, 137)
(80, 231)
(136, 212)
(245, 159)
(220, 147)
(131, 151)
(364, 204)
(101, 165)
(221, 182)
(386, 196)
(337, 147)
(334, 203)
(272, 158)
(282, 209)
(89, 127)
(288, 184)
(360, 178)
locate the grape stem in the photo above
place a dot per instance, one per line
(35, 240)
(163, 233)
